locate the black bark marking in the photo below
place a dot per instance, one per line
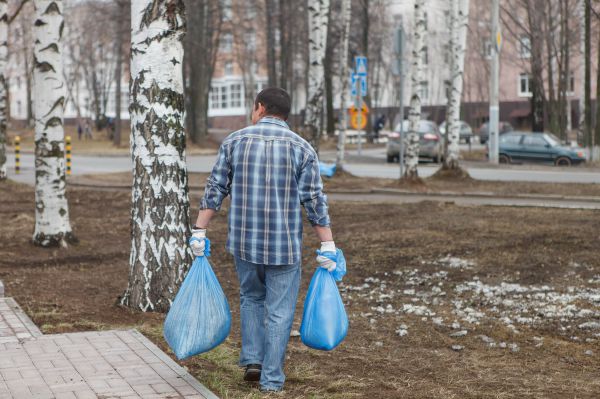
(52, 122)
(44, 66)
(52, 46)
(52, 9)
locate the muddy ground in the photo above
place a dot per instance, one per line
(444, 301)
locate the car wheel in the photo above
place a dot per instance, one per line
(505, 159)
(391, 159)
(482, 141)
(562, 161)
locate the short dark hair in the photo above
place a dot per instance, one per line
(276, 101)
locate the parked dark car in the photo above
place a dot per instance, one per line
(537, 147)
(465, 131)
(484, 131)
(430, 141)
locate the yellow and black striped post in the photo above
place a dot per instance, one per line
(68, 149)
(17, 155)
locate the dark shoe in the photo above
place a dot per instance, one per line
(270, 390)
(252, 372)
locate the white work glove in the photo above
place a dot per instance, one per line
(198, 241)
(323, 261)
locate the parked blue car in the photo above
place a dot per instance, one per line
(520, 147)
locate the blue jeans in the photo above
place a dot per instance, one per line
(268, 295)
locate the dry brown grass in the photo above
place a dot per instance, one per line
(76, 289)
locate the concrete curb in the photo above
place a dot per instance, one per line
(174, 366)
(27, 322)
(399, 192)
(483, 194)
(123, 155)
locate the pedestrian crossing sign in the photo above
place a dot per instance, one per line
(361, 66)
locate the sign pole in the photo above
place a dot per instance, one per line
(399, 54)
(493, 125)
(359, 116)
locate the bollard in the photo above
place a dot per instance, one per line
(68, 148)
(17, 155)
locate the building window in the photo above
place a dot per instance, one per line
(487, 49)
(571, 89)
(227, 13)
(250, 10)
(214, 97)
(228, 69)
(236, 95)
(251, 40)
(425, 55)
(424, 91)
(254, 68)
(446, 54)
(524, 47)
(426, 19)
(226, 42)
(223, 96)
(19, 107)
(524, 85)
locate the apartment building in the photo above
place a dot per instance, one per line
(241, 71)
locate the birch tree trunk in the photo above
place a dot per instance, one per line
(459, 19)
(52, 226)
(160, 255)
(318, 15)
(3, 96)
(345, 40)
(416, 79)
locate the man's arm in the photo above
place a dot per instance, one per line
(204, 217)
(310, 190)
(217, 188)
(323, 233)
(310, 187)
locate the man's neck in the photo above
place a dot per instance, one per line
(274, 117)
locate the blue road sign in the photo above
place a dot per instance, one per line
(356, 80)
(353, 79)
(361, 66)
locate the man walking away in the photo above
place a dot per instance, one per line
(270, 173)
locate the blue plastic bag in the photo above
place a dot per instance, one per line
(327, 170)
(324, 321)
(199, 318)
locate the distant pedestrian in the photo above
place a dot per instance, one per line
(379, 125)
(88, 130)
(79, 130)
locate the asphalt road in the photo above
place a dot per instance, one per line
(371, 164)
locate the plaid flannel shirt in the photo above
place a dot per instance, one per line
(269, 171)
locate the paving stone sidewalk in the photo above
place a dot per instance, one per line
(105, 364)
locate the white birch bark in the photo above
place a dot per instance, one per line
(3, 96)
(318, 15)
(345, 40)
(416, 79)
(52, 226)
(459, 19)
(159, 255)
